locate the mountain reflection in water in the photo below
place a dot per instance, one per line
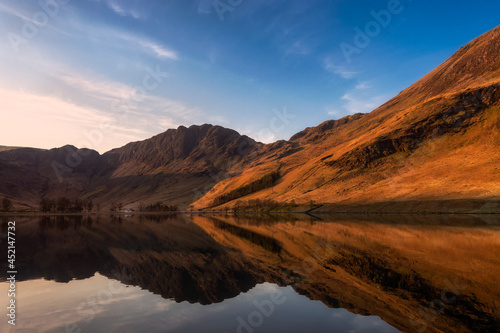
(416, 273)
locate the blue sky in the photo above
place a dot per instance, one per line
(101, 73)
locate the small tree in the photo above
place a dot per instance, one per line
(63, 204)
(90, 205)
(6, 205)
(236, 207)
(46, 205)
(78, 205)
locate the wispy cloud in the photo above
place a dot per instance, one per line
(148, 45)
(159, 50)
(120, 97)
(106, 35)
(362, 86)
(119, 8)
(341, 71)
(89, 103)
(332, 111)
(14, 12)
(359, 99)
(111, 36)
(99, 89)
(299, 47)
(55, 121)
(362, 100)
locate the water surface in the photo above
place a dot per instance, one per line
(255, 274)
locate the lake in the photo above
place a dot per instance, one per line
(217, 273)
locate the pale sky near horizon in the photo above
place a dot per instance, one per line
(102, 73)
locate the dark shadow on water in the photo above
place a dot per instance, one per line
(267, 243)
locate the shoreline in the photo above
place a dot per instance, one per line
(413, 207)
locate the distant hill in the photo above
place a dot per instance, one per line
(5, 148)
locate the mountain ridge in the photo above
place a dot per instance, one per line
(165, 161)
(421, 145)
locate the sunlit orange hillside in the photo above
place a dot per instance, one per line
(437, 140)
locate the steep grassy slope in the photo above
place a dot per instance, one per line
(438, 139)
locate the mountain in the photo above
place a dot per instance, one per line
(437, 140)
(197, 149)
(29, 174)
(175, 167)
(432, 147)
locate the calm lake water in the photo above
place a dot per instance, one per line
(186, 273)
